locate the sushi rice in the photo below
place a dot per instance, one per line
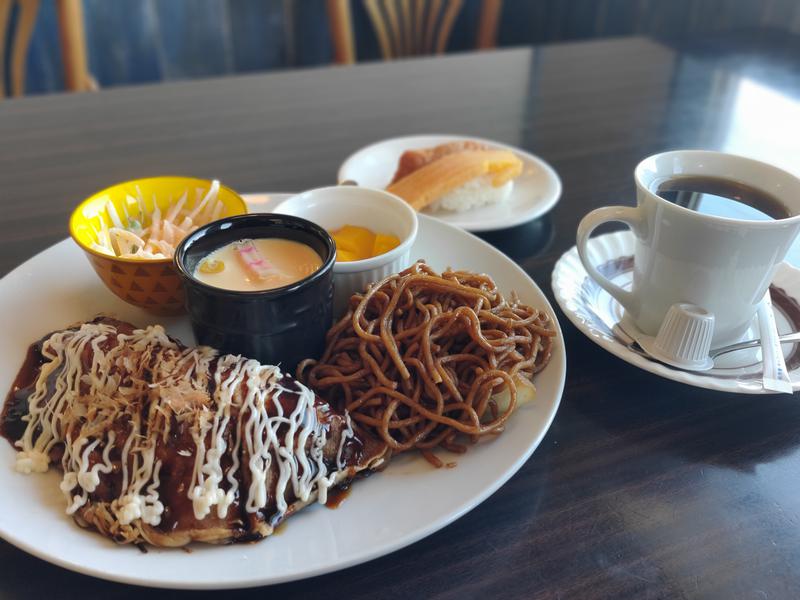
(475, 193)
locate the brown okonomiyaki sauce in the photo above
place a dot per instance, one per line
(177, 451)
(16, 406)
(178, 457)
(338, 495)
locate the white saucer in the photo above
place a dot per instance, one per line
(592, 310)
(535, 192)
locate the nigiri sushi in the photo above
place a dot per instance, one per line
(460, 180)
(411, 160)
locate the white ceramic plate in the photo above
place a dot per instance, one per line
(535, 192)
(592, 310)
(407, 502)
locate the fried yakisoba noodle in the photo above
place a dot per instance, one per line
(421, 358)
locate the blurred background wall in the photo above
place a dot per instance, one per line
(144, 41)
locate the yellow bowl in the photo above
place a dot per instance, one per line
(153, 285)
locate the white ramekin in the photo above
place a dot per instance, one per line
(382, 212)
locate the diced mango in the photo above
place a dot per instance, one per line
(345, 255)
(358, 243)
(355, 239)
(384, 243)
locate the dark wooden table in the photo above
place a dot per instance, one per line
(643, 488)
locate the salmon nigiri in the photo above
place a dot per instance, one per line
(411, 160)
(460, 180)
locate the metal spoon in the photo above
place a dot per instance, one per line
(632, 345)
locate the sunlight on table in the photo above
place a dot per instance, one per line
(765, 124)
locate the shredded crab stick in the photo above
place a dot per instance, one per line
(132, 239)
(255, 263)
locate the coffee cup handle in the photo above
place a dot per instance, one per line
(624, 214)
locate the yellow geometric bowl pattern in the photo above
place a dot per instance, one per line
(150, 284)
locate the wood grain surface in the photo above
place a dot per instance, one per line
(643, 488)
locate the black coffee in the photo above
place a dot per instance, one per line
(722, 197)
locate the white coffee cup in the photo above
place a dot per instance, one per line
(724, 265)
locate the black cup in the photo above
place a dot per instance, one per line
(281, 326)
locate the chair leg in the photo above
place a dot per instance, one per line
(5, 16)
(26, 21)
(73, 46)
(488, 23)
(341, 25)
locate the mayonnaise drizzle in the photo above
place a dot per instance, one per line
(78, 404)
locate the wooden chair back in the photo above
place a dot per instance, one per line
(408, 27)
(72, 37)
(73, 46)
(27, 11)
